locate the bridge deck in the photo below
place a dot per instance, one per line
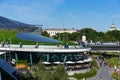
(43, 48)
(105, 48)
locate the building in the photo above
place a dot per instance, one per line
(54, 31)
(7, 72)
(113, 27)
(9, 24)
(74, 58)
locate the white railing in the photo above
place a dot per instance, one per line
(42, 48)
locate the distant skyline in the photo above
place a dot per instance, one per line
(95, 14)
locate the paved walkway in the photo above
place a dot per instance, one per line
(104, 72)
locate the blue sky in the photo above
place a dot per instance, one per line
(96, 14)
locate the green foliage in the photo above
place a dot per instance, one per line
(60, 72)
(116, 76)
(91, 34)
(21, 61)
(62, 36)
(76, 36)
(54, 43)
(48, 43)
(88, 74)
(112, 53)
(10, 35)
(113, 61)
(45, 34)
(115, 34)
(39, 71)
(95, 64)
(6, 35)
(49, 73)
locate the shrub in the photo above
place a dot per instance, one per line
(116, 76)
(95, 64)
(88, 74)
(113, 61)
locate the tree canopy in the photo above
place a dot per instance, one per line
(49, 73)
(91, 34)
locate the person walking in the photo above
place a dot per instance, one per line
(84, 79)
(101, 78)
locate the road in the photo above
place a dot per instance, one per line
(104, 72)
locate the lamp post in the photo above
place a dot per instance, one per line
(9, 45)
(31, 62)
(59, 36)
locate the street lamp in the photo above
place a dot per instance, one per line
(9, 53)
(59, 36)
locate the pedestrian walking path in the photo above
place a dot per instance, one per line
(104, 72)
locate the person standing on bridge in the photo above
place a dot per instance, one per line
(115, 68)
(84, 79)
(101, 78)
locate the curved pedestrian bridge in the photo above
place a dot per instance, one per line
(42, 48)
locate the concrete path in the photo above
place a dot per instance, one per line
(104, 72)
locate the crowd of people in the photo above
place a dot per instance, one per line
(3, 43)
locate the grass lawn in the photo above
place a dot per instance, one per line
(88, 74)
(113, 53)
(113, 61)
(10, 35)
(116, 76)
(95, 64)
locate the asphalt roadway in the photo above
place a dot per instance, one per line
(104, 72)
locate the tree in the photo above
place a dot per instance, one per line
(39, 71)
(45, 34)
(60, 72)
(101, 36)
(76, 36)
(49, 73)
(115, 35)
(90, 33)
